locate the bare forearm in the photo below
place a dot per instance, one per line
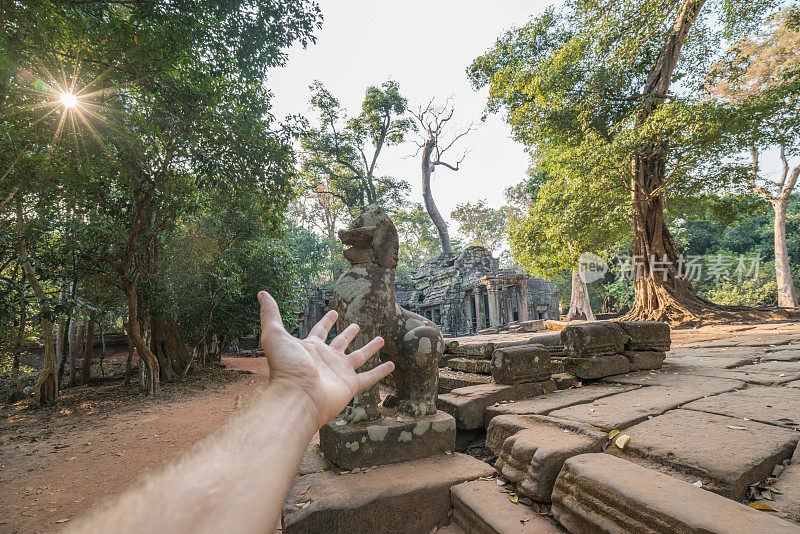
(236, 480)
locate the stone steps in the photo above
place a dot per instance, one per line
(602, 493)
(402, 497)
(482, 507)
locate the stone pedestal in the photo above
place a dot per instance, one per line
(391, 439)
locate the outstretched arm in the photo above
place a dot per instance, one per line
(237, 479)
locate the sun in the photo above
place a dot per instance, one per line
(69, 100)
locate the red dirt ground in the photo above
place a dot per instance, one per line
(56, 464)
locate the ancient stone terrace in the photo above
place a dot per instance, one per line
(706, 443)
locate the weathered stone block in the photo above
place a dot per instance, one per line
(646, 335)
(551, 340)
(481, 507)
(599, 493)
(544, 404)
(532, 457)
(387, 440)
(521, 364)
(726, 454)
(624, 409)
(468, 404)
(470, 365)
(597, 338)
(602, 366)
(645, 359)
(403, 497)
(564, 380)
(503, 427)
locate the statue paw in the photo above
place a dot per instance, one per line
(417, 409)
(354, 414)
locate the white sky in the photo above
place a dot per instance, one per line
(426, 47)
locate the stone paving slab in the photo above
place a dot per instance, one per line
(751, 377)
(793, 384)
(788, 501)
(600, 493)
(709, 361)
(673, 376)
(413, 496)
(482, 507)
(625, 409)
(763, 404)
(702, 446)
(719, 352)
(544, 404)
(788, 355)
(468, 404)
(532, 458)
(779, 367)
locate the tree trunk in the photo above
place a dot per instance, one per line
(88, 351)
(580, 307)
(47, 384)
(75, 349)
(787, 298)
(662, 290)
(148, 363)
(14, 395)
(430, 206)
(169, 347)
(63, 354)
(129, 363)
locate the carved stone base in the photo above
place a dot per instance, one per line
(387, 440)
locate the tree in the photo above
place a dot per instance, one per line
(165, 110)
(432, 120)
(418, 242)
(480, 224)
(589, 91)
(756, 78)
(346, 151)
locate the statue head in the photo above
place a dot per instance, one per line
(372, 238)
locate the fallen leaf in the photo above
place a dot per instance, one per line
(513, 497)
(734, 427)
(64, 520)
(622, 440)
(699, 483)
(613, 434)
(762, 507)
(501, 481)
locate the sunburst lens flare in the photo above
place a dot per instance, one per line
(69, 100)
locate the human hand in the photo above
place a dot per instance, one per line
(323, 372)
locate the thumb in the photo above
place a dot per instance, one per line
(271, 322)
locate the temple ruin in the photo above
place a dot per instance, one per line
(469, 292)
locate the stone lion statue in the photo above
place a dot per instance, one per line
(364, 294)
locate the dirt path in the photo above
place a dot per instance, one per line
(54, 467)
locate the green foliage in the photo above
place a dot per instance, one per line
(570, 82)
(418, 239)
(481, 224)
(172, 122)
(346, 150)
